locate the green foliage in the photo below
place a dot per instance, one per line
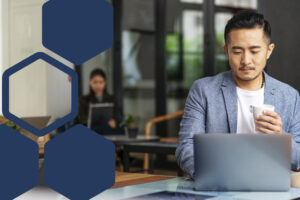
(220, 42)
(13, 126)
(192, 58)
(172, 42)
(129, 121)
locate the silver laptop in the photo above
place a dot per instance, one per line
(242, 162)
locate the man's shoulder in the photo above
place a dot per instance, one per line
(211, 82)
(281, 87)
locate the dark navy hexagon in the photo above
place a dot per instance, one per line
(77, 30)
(53, 63)
(19, 163)
(80, 163)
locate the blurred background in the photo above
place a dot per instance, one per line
(160, 48)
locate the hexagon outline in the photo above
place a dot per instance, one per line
(60, 66)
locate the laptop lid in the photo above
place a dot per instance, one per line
(242, 162)
(100, 113)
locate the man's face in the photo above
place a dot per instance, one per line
(248, 51)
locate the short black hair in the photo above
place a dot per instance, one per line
(247, 19)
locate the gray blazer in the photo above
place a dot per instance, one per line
(211, 107)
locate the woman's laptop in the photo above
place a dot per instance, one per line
(242, 162)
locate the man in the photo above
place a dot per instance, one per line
(220, 104)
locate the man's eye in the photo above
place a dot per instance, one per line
(237, 52)
(255, 52)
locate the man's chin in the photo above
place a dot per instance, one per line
(246, 77)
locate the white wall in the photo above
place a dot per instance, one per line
(1, 52)
(3, 42)
(58, 94)
(28, 94)
(42, 90)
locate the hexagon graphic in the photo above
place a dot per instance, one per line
(77, 30)
(19, 166)
(17, 69)
(80, 163)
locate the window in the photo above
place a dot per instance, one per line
(192, 1)
(221, 59)
(247, 4)
(138, 60)
(184, 47)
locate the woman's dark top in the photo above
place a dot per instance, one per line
(85, 101)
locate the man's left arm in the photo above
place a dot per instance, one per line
(294, 129)
(271, 123)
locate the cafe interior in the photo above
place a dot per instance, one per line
(160, 47)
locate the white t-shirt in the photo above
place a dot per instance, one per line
(245, 122)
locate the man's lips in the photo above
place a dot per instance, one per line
(246, 69)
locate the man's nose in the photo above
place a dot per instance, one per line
(246, 59)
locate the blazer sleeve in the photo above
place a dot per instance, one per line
(295, 131)
(193, 121)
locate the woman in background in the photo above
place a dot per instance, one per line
(98, 94)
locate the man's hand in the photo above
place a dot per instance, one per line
(269, 123)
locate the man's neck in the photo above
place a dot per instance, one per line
(99, 94)
(252, 85)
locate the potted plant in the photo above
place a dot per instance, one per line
(130, 126)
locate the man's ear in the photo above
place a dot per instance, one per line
(270, 50)
(225, 50)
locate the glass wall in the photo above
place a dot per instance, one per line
(185, 47)
(221, 19)
(247, 4)
(184, 53)
(138, 60)
(184, 62)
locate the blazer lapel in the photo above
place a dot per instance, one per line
(230, 98)
(269, 93)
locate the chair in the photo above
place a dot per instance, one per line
(42, 141)
(3, 120)
(148, 131)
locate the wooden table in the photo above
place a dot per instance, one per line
(173, 140)
(158, 148)
(41, 150)
(126, 179)
(120, 140)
